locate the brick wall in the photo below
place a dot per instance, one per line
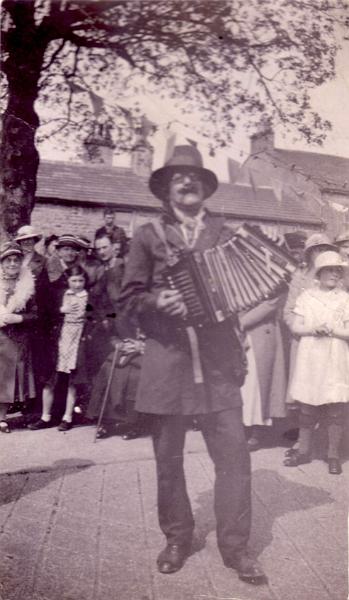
(51, 218)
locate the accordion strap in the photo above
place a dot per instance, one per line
(195, 355)
(160, 230)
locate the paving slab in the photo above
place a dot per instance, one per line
(78, 521)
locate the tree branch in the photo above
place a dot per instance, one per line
(54, 55)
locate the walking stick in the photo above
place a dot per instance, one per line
(107, 389)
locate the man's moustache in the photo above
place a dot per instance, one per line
(188, 189)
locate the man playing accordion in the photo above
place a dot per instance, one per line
(189, 372)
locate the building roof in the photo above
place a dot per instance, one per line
(100, 185)
(330, 173)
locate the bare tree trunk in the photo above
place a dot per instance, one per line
(19, 156)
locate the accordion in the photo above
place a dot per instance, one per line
(235, 276)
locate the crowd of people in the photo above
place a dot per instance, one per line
(89, 332)
(59, 331)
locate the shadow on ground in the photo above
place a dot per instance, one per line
(294, 497)
(20, 483)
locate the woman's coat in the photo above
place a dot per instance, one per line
(15, 357)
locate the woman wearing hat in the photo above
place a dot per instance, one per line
(17, 311)
(52, 285)
(321, 373)
(303, 278)
(27, 237)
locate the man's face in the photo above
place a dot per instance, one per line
(68, 254)
(104, 249)
(109, 219)
(186, 191)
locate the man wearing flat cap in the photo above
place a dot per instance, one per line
(188, 374)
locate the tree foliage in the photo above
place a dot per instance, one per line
(223, 58)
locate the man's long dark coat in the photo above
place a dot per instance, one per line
(167, 384)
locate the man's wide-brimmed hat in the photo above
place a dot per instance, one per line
(319, 239)
(27, 232)
(68, 240)
(329, 259)
(183, 159)
(10, 249)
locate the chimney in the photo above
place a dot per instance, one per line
(99, 146)
(142, 158)
(262, 141)
(142, 152)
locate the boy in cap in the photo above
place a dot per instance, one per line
(172, 363)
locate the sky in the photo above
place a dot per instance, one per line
(330, 100)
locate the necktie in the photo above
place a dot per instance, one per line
(190, 232)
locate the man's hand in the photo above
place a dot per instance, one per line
(171, 303)
(130, 346)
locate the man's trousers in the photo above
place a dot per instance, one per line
(225, 440)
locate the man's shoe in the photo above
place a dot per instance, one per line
(172, 558)
(296, 459)
(103, 432)
(334, 466)
(120, 428)
(249, 570)
(64, 426)
(133, 434)
(40, 424)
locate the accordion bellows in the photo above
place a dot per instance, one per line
(230, 278)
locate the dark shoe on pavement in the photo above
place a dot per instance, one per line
(40, 424)
(4, 428)
(248, 570)
(253, 444)
(291, 435)
(132, 434)
(103, 432)
(296, 459)
(64, 426)
(172, 558)
(334, 466)
(290, 451)
(121, 428)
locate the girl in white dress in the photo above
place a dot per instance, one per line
(321, 374)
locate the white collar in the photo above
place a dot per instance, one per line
(81, 294)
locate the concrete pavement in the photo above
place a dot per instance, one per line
(78, 521)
